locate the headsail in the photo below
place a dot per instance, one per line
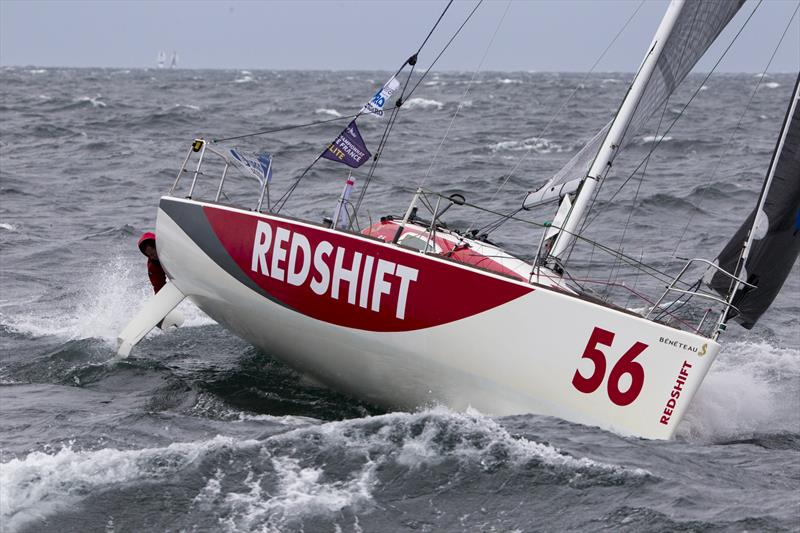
(697, 25)
(771, 245)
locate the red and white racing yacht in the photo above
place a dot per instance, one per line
(407, 312)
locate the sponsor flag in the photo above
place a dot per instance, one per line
(348, 148)
(259, 166)
(376, 103)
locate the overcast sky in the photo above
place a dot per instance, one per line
(540, 35)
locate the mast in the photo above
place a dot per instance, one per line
(619, 126)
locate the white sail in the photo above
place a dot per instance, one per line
(687, 30)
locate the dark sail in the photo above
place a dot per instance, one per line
(776, 236)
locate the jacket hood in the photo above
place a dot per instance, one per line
(145, 238)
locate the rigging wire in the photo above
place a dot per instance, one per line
(285, 128)
(555, 115)
(631, 261)
(400, 101)
(659, 140)
(647, 162)
(410, 61)
(733, 134)
(466, 92)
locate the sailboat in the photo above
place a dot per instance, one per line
(408, 312)
(162, 59)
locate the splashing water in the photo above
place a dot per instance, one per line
(97, 310)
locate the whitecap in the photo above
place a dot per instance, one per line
(8, 227)
(506, 81)
(703, 88)
(538, 145)
(423, 103)
(41, 484)
(326, 111)
(188, 106)
(647, 139)
(300, 491)
(772, 85)
(417, 440)
(38, 71)
(94, 100)
(746, 391)
(610, 80)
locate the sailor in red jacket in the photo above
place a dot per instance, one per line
(147, 244)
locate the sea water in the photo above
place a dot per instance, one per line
(199, 431)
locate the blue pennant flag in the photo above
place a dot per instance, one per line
(259, 165)
(348, 148)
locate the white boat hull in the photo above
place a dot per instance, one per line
(452, 335)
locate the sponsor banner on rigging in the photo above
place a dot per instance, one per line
(376, 103)
(258, 166)
(348, 148)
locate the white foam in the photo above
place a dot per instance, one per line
(188, 106)
(752, 387)
(94, 100)
(536, 144)
(244, 79)
(38, 71)
(423, 103)
(703, 88)
(41, 484)
(325, 111)
(480, 436)
(8, 227)
(647, 139)
(507, 81)
(100, 309)
(300, 491)
(772, 85)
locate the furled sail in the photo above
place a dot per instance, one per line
(697, 26)
(771, 245)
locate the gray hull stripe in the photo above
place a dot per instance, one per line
(192, 220)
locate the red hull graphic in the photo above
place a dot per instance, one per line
(352, 281)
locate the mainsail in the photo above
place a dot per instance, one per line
(769, 247)
(697, 25)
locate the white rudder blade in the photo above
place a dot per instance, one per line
(157, 308)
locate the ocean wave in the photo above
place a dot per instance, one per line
(298, 491)
(326, 111)
(508, 81)
(8, 227)
(772, 85)
(536, 144)
(649, 139)
(417, 440)
(752, 388)
(41, 484)
(422, 103)
(93, 100)
(187, 106)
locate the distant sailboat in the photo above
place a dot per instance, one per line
(162, 59)
(173, 62)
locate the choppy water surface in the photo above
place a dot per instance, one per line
(200, 431)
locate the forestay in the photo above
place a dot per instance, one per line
(697, 26)
(771, 245)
